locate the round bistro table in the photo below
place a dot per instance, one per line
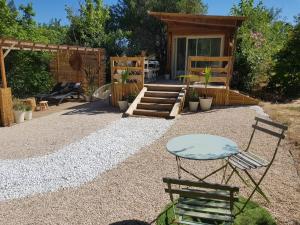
(201, 147)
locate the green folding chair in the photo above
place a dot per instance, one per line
(201, 203)
(246, 160)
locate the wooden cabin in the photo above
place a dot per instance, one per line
(198, 35)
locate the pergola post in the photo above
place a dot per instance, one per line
(3, 74)
(6, 113)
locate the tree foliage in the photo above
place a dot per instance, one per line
(286, 77)
(27, 72)
(259, 38)
(88, 27)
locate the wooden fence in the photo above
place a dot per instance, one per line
(68, 66)
(135, 83)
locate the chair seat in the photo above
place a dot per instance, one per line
(203, 211)
(247, 160)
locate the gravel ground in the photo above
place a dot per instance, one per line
(134, 190)
(49, 133)
(81, 161)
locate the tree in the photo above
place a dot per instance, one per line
(286, 79)
(89, 27)
(260, 37)
(27, 72)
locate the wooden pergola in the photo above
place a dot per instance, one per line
(6, 45)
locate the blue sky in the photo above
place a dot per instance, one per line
(47, 9)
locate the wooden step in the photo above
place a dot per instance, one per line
(154, 113)
(164, 88)
(158, 100)
(161, 94)
(155, 106)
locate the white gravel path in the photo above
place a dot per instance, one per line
(79, 162)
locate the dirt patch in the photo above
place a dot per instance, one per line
(289, 114)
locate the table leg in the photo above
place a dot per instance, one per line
(178, 167)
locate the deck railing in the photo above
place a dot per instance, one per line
(221, 70)
(135, 66)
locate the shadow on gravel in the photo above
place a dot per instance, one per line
(92, 108)
(130, 222)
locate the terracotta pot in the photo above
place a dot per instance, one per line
(123, 105)
(205, 103)
(193, 106)
(19, 116)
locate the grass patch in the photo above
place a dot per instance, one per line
(252, 215)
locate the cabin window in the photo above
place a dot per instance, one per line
(195, 46)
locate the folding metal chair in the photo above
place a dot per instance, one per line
(245, 160)
(201, 203)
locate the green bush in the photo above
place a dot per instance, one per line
(252, 215)
(259, 39)
(28, 73)
(256, 216)
(286, 78)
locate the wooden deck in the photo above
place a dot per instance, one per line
(219, 94)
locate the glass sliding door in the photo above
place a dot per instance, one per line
(196, 46)
(180, 56)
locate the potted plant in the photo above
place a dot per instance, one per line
(205, 102)
(123, 103)
(193, 101)
(19, 111)
(130, 98)
(90, 76)
(28, 112)
(89, 93)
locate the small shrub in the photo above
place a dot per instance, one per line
(255, 216)
(131, 97)
(193, 96)
(252, 215)
(18, 105)
(28, 108)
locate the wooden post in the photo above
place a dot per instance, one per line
(57, 66)
(3, 74)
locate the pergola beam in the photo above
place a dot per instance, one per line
(11, 44)
(8, 50)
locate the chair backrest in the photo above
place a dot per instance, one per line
(201, 189)
(279, 133)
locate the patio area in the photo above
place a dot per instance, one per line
(132, 188)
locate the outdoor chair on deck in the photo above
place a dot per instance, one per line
(245, 160)
(200, 202)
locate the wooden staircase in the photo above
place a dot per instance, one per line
(158, 101)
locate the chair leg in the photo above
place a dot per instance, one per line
(257, 187)
(239, 175)
(178, 167)
(224, 174)
(232, 172)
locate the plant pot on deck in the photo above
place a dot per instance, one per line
(167, 76)
(205, 103)
(19, 116)
(123, 105)
(193, 106)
